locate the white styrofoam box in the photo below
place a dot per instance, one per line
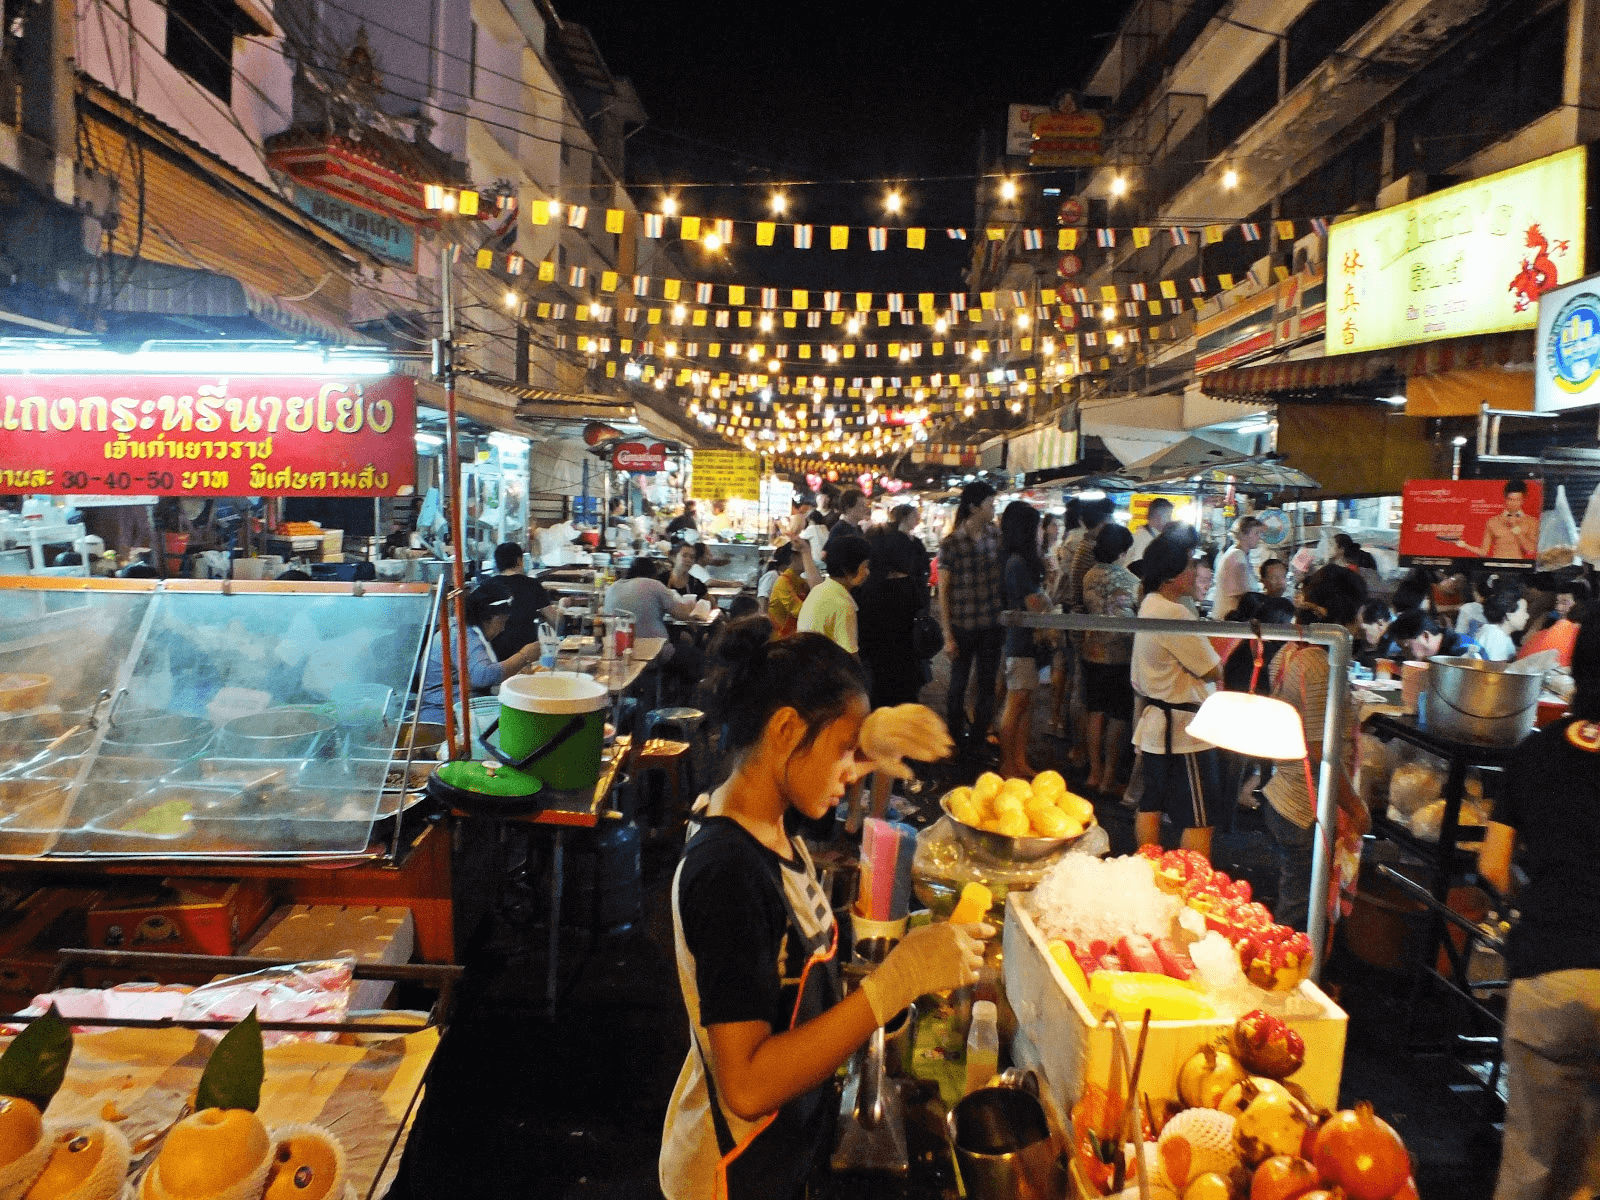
(307, 932)
(1059, 1036)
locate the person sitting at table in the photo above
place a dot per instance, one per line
(648, 601)
(530, 603)
(796, 574)
(488, 606)
(703, 562)
(682, 578)
(1417, 636)
(1558, 629)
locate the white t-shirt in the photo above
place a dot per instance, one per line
(1235, 577)
(700, 573)
(1169, 666)
(817, 535)
(1495, 643)
(830, 610)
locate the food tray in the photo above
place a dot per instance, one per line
(237, 774)
(1057, 1033)
(1006, 849)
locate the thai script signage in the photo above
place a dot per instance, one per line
(1469, 260)
(390, 239)
(211, 435)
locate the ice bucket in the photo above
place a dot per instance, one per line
(1490, 703)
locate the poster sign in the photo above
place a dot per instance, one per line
(1019, 127)
(207, 435)
(390, 239)
(638, 458)
(1139, 506)
(725, 475)
(1566, 369)
(1471, 259)
(1067, 137)
(1492, 521)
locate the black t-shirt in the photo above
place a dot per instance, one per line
(1552, 799)
(528, 599)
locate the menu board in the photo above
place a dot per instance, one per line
(725, 475)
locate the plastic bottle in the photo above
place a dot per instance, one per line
(983, 1045)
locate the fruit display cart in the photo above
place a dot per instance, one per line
(242, 732)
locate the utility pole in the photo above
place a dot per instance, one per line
(444, 369)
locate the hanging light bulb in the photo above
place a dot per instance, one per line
(679, 313)
(779, 203)
(893, 202)
(712, 242)
(774, 366)
(766, 322)
(1230, 179)
(1119, 185)
(669, 205)
(1108, 313)
(511, 299)
(1008, 189)
(941, 325)
(853, 326)
(1022, 319)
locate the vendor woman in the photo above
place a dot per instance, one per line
(1550, 811)
(751, 1115)
(488, 609)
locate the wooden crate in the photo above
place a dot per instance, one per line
(1057, 1034)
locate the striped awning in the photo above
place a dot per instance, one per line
(1310, 377)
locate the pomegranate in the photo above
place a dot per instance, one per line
(1207, 1076)
(1269, 1120)
(1267, 1046)
(1362, 1154)
(1283, 1177)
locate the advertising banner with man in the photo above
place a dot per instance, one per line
(1494, 522)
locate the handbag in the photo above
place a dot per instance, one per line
(927, 639)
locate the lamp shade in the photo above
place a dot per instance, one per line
(1251, 725)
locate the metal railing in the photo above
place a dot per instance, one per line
(1337, 641)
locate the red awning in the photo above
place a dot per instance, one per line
(1308, 376)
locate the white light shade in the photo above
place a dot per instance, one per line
(1251, 725)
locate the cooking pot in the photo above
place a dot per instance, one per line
(1490, 703)
(167, 736)
(276, 733)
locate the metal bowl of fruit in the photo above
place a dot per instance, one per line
(986, 841)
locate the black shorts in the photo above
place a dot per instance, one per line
(1184, 786)
(1108, 688)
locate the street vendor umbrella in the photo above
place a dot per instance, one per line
(1182, 459)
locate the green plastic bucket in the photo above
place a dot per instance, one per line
(535, 709)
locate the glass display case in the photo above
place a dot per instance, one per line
(184, 719)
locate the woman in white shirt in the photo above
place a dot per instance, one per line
(1235, 575)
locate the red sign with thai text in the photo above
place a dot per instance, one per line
(1495, 521)
(208, 435)
(640, 458)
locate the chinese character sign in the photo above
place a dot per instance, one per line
(207, 435)
(1471, 259)
(1493, 520)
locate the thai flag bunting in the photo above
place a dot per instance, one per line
(769, 297)
(956, 235)
(830, 301)
(1032, 239)
(577, 276)
(654, 225)
(897, 301)
(1080, 295)
(722, 318)
(641, 285)
(813, 320)
(1130, 308)
(558, 312)
(1180, 237)
(1138, 290)
(514, 264)
(577, 216)
(907, 317)
(1197, 285)
(1106, 238)
(802, 237)
(872, 349)
(1175, 306)
(702, 293)
(958, 302)
(877, 238)
(630, 315)
(1251, 231)
(561, 338)
(724, 228)
(1018, 300)
(1319, 226)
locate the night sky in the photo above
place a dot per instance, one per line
(742, 94)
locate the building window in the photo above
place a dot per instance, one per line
(200, 43)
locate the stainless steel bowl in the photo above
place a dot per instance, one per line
(998, 847)
(275, 733)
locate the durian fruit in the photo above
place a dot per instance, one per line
(214, 1154)
(307, 1164)
(87, 1162)
(24, 1146)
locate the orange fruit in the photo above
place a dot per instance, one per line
(21, 1127)
(304, 1168)
(210, 1152)
(72, 1160)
